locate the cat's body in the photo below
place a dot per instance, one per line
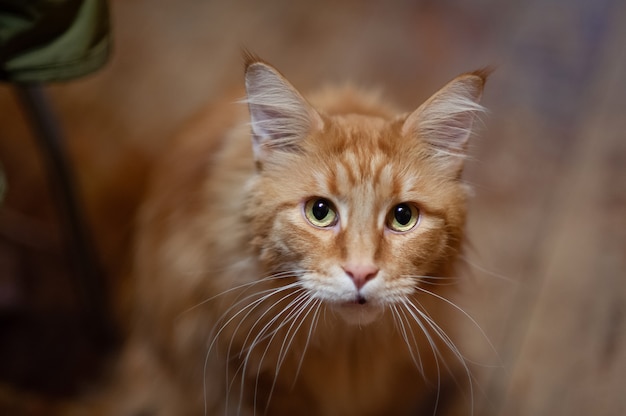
(351, 211)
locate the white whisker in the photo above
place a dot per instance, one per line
(436, 353)
(434, 280)
(467, 315)
(262, 335)
(486, 271)
(312, 329)
(451, 346)
(403, 331)
(285, 346)
(265, 294)
(244, 364)
(292, 312)
(247, 285)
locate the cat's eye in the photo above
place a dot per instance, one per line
(403, 217)
(320, 212)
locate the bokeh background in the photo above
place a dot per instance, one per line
(547, 264)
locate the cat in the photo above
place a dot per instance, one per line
(293, 257)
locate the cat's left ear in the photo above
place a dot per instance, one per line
(279, 116)
(445, 120)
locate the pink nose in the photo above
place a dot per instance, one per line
(360, 273)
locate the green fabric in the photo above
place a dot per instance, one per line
(52, 40)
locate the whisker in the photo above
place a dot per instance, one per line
(247, 285)
(438, 330)
(266, 294)
(433, 346)
(271, 336)
(284, 350)
(312, 329)
(418, 362)
(467, 315)
(451, 346)
(285, 347)
(434, 280)
(486, 271)
(232, 266)
(242, 367)
(263, 334)
(288, 339)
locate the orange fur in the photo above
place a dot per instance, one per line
(222, 215)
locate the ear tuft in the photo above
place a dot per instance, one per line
(445, 120)
(279, 116)
(249, 58)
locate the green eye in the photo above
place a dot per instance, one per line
(403, 217)
(320, 212)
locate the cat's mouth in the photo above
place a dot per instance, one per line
(356, 302)
(360, 300)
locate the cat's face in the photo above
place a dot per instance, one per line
(363, 217)
(363, 210)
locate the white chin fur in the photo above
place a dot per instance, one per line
(355, 314)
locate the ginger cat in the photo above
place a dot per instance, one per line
(291, 259)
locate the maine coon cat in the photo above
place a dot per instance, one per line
(293, 256)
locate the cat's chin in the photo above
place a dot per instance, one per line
(358, 314)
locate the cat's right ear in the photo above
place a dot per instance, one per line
(445, 120)
(279, 116)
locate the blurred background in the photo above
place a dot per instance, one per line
(547, 224)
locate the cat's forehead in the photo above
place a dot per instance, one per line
(362, 160)
(358, 127)
(358, 136)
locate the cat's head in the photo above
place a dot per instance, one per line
(364, 209)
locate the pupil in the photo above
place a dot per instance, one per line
(402, 214)
(320, 209)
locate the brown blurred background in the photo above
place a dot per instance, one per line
(547, 223)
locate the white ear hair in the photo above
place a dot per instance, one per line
(445, 120)
(279, 116)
